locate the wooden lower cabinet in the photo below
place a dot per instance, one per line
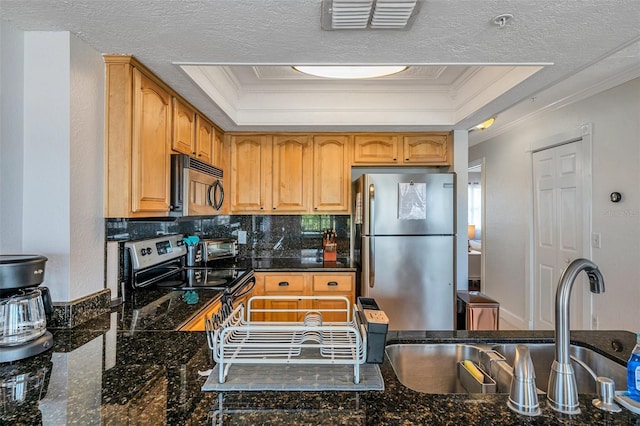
(197, 323)
(290, 284)
(332, 285)
(304, 284)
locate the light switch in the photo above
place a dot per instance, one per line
(242, 237)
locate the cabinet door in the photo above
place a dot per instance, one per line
(197, 323)
(284, 285)
(204, 139)
(291, 173)
(376, 149)
(217, 149)
(184, 135)
(250, 173)
(333, 285)
(427, 149)
(150, 146)
(331, 173)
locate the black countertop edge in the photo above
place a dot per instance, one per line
(285, 264)
(613, 344)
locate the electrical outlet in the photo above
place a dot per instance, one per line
(595, 240)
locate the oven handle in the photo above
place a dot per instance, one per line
(154, 279)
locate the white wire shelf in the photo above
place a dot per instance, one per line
(240, 339)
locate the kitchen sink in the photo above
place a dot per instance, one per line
(432, 368)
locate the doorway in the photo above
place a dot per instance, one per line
(475, 222)
(558, 224)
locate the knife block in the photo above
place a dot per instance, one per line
(329, 251)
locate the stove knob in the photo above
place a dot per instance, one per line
(143, 251)
(149, 250)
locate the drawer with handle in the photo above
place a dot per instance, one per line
(332, 283)
(284, 284)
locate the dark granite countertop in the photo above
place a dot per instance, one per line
(106, 372)
(291, 264)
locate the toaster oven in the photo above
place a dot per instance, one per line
(212, 250)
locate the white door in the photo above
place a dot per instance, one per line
(557, 176)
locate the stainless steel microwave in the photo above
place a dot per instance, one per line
(196, 187)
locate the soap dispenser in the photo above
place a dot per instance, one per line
(523, 396)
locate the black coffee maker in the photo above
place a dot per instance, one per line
(24, 307)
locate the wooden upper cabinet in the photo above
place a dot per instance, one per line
(428, 148)
(145, 122)
(291, 173)
(184, 135)
(375, 149)
(331, 173)
(204, 139)
(217, 150)
(151, 143)
(250, 173)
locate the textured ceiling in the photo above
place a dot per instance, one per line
(567, 37)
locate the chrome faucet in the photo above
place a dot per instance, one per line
(562, 391)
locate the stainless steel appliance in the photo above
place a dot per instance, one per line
(161, 262)
(214, 250)
(196, 187)
(23, 307)
(404, 246)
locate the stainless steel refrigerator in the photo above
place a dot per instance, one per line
(404, 246)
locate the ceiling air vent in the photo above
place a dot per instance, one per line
(363, 14)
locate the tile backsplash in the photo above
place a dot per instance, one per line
(279, 236)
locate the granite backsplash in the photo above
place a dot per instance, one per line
(272, 236)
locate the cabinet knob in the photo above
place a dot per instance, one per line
(283, 284)
(274, 208)
(332, 283)
(315, 208)
(395, 159)
(261, 208)
(406, 159)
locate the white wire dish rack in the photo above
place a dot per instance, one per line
(240, 339)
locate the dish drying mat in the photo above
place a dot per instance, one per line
(296, 377)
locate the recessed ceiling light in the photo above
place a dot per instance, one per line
(330, 71)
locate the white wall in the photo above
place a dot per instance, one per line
(614, 116)
(460, 161)
(86, 150)
(11, 137)
(54, 201)
(46, 155)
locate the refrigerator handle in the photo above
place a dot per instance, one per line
(372, 244)
(372, 199)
